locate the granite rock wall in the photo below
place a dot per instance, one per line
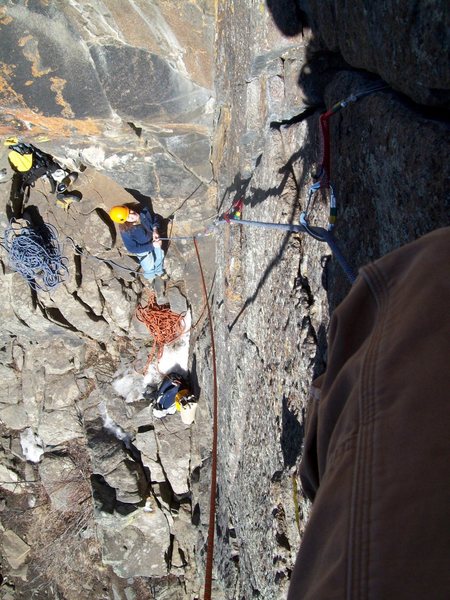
(274, 292)
(405, 43)
(191, 106)
(125, 87)
(121, 92)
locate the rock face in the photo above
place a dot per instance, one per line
(274, 292)
(100, 463)
(406, 44)
(123, 87)
(123, 92)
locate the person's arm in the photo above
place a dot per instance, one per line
(151, 223)
(149, 220)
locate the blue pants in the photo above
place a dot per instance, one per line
(152, 263)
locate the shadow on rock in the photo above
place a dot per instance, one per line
(374, 171)
(259, 195)
(292, 433)
(141, 198)
(288, 16)
(235, 191)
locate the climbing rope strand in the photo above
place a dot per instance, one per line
(36, 253)
(83, 252)
(163, 325)
(289, 227)
(212, 499)
(324, 171)
(329, 239)
(318, 233)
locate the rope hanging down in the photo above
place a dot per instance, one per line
(215, 416)
(35, 253)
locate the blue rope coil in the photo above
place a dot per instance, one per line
(35, 253)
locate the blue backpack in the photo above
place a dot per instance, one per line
(172, 388)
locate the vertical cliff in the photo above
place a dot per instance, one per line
(97, 495)
(189, 106)
(279, 66)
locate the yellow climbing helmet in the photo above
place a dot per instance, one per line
(179, 399)
(119, 214)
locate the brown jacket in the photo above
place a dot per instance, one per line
(376, 456)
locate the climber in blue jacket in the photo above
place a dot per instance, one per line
(139, 229)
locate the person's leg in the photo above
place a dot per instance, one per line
(147, 263)
(152, 263)
(377, 444)
(159, 261)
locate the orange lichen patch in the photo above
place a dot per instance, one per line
(22, 41)
(31, 53)
(5, 19)
(131, 21)
(192, 37)
(52, 126)
(58, 86)
(7, 93)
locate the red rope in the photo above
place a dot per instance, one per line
(326, 160)
(212, 497)
(164, 325)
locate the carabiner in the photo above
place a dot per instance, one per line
(304, 216)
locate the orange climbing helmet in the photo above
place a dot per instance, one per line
(119, 214)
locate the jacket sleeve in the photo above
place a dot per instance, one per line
(149, 221)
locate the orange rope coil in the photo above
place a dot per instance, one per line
(164, 325)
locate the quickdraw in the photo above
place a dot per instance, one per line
(323, 175)
(304, 216)
(235, 212)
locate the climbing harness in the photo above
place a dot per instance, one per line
(35, 252)
(164, 325)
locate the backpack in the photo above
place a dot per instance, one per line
(172, 395)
